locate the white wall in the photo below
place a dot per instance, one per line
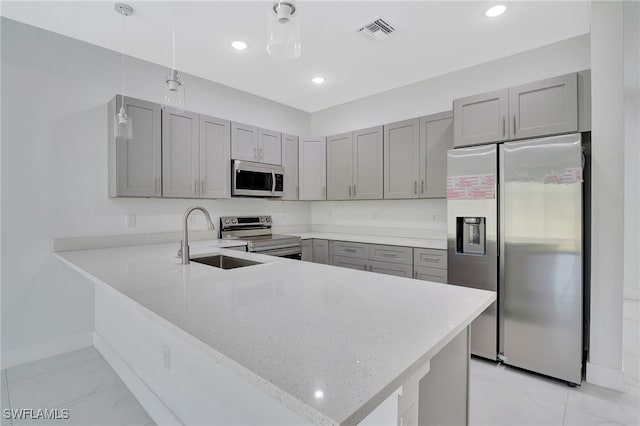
(54, 176)
(422, 98)
(632, 149)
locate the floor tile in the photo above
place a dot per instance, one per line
(115, 406)
(5, 399)
(574, 417)
(631, 370)
(620, 407)
(631, 309)
(631, 337)
(52, 364)
(495, 404)
(60, 388)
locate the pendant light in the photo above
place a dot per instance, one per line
(174, 87)
(283, 39)
(122, 124)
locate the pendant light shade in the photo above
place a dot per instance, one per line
(283, 38)
(122, 123)
(174, 91)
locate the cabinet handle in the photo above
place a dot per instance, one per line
(504, 127)
(354, 190)
(350, 250)
(324, 191)
(195, 187)
(415, 187)
(389, 255)
(261, 153)
(202, 187)
(155, 185)
(371, 268)
(255, 153)
(422, 186)
(297, 192)
(415, 274)
(365, 266)
(349, 191)
(514, 124)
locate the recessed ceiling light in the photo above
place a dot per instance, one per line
(496, 10)
(239, 45)
(318, 80)
(318, 394)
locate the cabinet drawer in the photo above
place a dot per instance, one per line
(393, 254)
(358, 250)
(430, 274)
(389, 268)
(351, 263)
(430, 258)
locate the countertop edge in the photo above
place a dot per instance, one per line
(243, 373)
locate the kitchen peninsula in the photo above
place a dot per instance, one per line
(279, 342)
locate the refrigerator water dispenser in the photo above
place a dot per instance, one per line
(471, 233)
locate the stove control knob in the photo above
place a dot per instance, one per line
(268, 219)
(226, 221)
(234, 221)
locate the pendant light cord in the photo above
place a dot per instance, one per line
(173, 47)
(122, 57)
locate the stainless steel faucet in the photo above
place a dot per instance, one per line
(184, 249)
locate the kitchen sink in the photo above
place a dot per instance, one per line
(224, 262)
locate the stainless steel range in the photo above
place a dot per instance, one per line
(256, 230)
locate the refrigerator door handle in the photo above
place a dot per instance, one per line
(500, 249)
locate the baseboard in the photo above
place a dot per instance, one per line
(45, 349)
(157, 410)
(606, 377)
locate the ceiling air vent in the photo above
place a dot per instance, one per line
(376, 30)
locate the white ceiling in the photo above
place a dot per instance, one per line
(432, 38)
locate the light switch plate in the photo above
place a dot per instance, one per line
(130, 221)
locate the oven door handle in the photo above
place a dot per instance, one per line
(273, 182)
(281, 252)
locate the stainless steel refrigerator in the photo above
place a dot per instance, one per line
(515, 226)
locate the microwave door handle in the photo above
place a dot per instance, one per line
(273, 182)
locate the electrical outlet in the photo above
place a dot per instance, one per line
(192, 219)
(166, 357)
(434, 217)
(130, 221)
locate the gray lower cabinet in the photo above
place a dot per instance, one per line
(307, 250)
(195, 156)
(430, 274)
(348, 249)
(135, 166)
(320, 251)
(430, 265)
(388, 268)
(290, 164)
(392, 254)
(215, 157)
(351, 263)
(436, 138)
(545, 107)
(180, 154)
(401, 159)
(481, 118)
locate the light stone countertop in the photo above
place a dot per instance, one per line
(375, 239)
(291, 327)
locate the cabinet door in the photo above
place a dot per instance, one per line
(269, 147)
(307, 250)
(391, 254)
(347, 249)
(397, 269)
(180, 154)
(430, 258)
(244, 142)
(544, 107)
(339, 167)
(436, 138)
(481, 118)
(430, 274)
(351, 263)
(290, 163)
(313, 168)
(367, 164)
(401, 159)
(135, 166)
(215, 157)
(321, 251)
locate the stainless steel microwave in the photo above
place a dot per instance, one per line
(256, 179)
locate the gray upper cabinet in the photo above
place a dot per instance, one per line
(368, 164)
(244, 142)
(544, 107)
(481, 118)
(215, 158)
(180, 154)
(402, 159)
(436, 138)
(290, 163)
(135, 166)
(340, 167)
(313, 168)
(269, 147)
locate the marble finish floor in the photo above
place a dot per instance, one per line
(80, 381)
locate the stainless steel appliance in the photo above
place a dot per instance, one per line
(515, 215)
(256, 230)
(257, 179)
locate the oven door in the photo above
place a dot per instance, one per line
(289, 253)
(257, 180)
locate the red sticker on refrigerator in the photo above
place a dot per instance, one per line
(471, 187)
